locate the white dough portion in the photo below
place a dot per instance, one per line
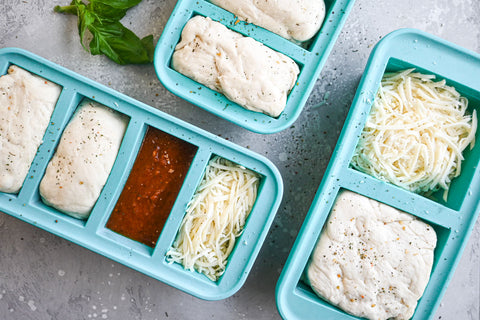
(244, 70)
(297, 20)
(26, 106)
(83, 160)
(372, 260)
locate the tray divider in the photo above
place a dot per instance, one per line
(68, 99)
(186, 193)
(399, 198)
(127, 154)
(270, 39)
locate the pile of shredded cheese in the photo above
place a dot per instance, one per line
(415, 133)
(215, 216)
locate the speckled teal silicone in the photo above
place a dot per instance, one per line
(310, 59)
(452, 220)
(92, 234)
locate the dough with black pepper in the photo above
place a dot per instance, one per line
(243, 69)
(297, 20)
(26, 106)
(83, 160)
(372, 260)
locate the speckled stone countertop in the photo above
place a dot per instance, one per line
(43, 276)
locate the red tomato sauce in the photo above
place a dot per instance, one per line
(152, 187)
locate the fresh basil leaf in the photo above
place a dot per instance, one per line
(105, 12)
(119, 44)
(109, 37)
(71, 9)
(149, 47)
(85, 19)
(119, 4)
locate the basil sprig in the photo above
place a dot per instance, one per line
(109, 37)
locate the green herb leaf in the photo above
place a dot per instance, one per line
(149, 47)
(109, 37)
(85, 19)
(72, 9)
(105, 12)
(119, 44)
(119, 4)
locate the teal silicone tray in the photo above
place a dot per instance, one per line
(92, 234)
(452, 220)
(310, 60)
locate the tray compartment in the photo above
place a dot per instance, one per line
(317, 305)
(195, 90)
(78, 99)
(459, 185)
(238, 240)
(50, 132)
(245, 243)
(172, 166)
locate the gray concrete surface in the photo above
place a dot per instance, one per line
(45, 277)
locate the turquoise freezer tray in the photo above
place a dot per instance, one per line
(310, 60)
(92, 234)
(452, 220)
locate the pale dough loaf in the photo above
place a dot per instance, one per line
(372, 260)
(297, 20)
(244, 70)
(26, 106)
(83, 160)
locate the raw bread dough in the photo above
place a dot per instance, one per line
(297, 20)
(83, 160)
(372, 260)
(26, 106)
(244, 70)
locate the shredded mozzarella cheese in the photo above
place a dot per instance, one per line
(416, 132)
(215, 217)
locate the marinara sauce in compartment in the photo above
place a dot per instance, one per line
(152, 187)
